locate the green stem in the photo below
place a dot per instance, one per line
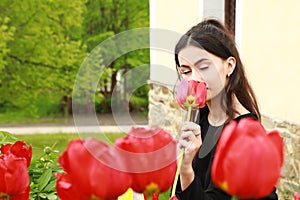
(180, 158)
(177, 172)
(189, 113)
(234, 198)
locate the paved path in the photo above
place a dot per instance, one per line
(67, 129)
(108, 123)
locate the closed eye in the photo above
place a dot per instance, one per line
(186, 72)
(203, 67)
(184, 69)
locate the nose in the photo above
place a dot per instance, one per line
(196, 75)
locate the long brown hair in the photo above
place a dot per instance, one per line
(215, 38)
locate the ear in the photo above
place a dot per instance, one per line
(230, 65)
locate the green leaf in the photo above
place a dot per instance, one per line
(44, 179)
(52, 196)
(6, 136)
(51, 186)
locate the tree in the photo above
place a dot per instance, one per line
(106, 18)
(45, 51)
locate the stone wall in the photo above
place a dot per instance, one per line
(163, 108)
(164, 112)
(290, 180)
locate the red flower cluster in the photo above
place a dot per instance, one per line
(248, 160)
(14, 177)
(144, 160)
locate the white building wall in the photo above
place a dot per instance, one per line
(174, 18)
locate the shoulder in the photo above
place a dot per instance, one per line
(246, 115)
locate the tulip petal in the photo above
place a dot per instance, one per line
(66, 190)
(5, 148)
(21, 196)
(75, 161)
(20, 149)
(182, 91)
(13, 174)
(106, 166)
(201, 94)
(277, 140)
(150, 157)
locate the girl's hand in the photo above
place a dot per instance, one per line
(190, 140)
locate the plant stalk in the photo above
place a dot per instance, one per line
(180, 157)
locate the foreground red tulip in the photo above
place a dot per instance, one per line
(14, 178)
(173, 198)
(191, 93)
(150, 158)
(91, 171)
(19, 149)
(248, 160)
(67, 190)
(296, 196)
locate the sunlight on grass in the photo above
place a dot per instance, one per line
(60, 141)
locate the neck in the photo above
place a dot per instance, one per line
(217, 116)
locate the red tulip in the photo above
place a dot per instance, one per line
(19, 149)
(191, 93)
(21, 196)
(296, 196)
(14, 178)
(150, 158)
(248, 160)
(153, 197)
(67, 190)
(92, 169)
(173, 198)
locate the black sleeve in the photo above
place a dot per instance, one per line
(195, 192)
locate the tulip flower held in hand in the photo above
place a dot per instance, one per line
(191, 95)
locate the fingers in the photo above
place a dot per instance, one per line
(186, 138)
(191, 126)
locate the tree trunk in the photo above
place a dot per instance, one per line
(66, 105)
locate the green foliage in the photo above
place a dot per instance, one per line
(6, 35)
(6, 137)
(44, 43)
(115, 17)
(45, 50)
(42, 180)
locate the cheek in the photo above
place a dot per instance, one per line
(215, 80)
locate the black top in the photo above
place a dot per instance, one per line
(202, 187)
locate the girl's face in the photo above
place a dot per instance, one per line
(200, 65)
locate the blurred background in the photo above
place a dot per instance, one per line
(43, 44)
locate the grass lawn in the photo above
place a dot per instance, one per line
(60, 141)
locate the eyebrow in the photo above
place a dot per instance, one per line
(196, 63)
